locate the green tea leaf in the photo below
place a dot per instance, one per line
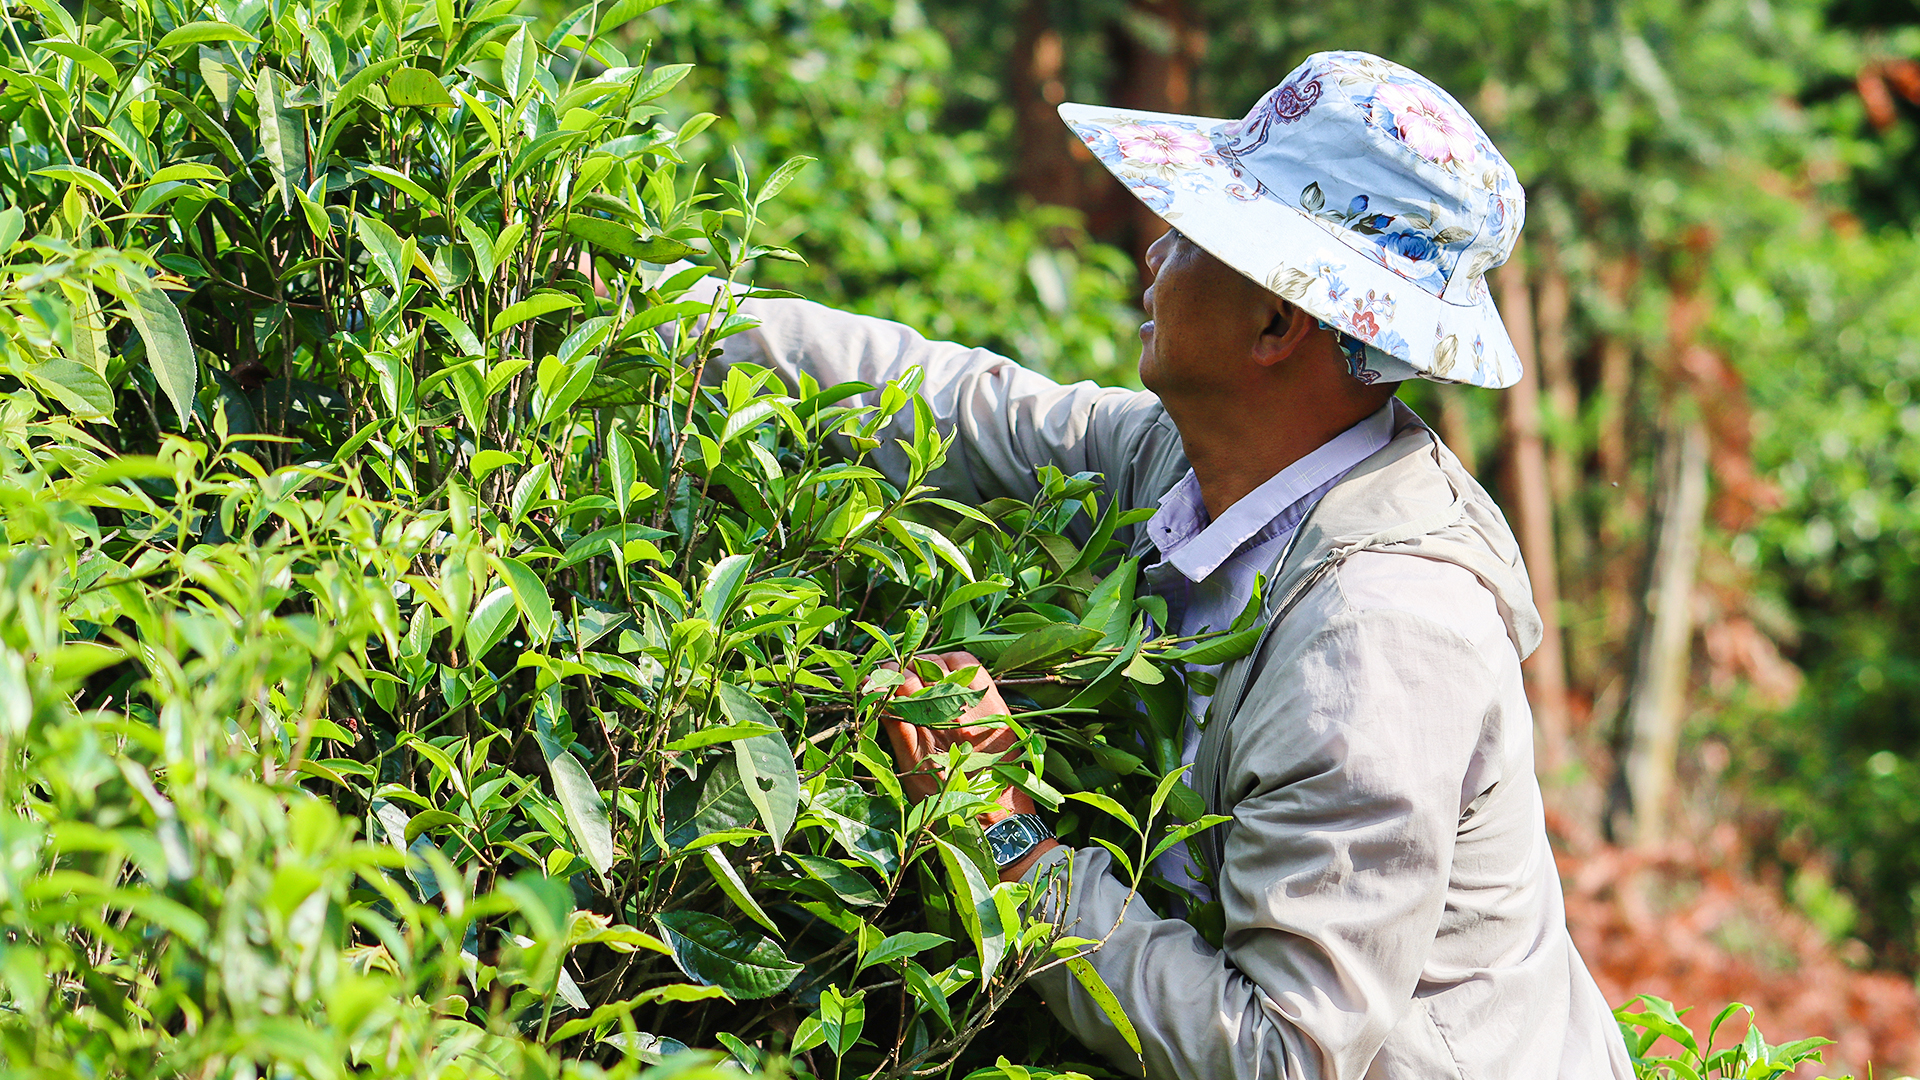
(529, 593)
(847, 884)
(492, 617)
(713, 802)
(723, 583)
(765, 763)
(663, 249)
(207, 124)
(1200, 824)
(604, 233)
(1106, 803)
(85, 177)
(973, 902)
(516, 67)
(429, 819)
(12, 223)
(941, 703)
(1102, 995)
(86, 58)
(622, 469)
(1221, 649)
(78, 387)
(1110, 606)
(781, 177)
(356, 87)
(659, 81)
(725, 876)
(865, 825)
(841, 1018)
(283, 136)
(411, 86)
(168, 348)
(89, 327)
(188, 170)
(622, 11)
(385, 248)
(196, 32)
(901, 946)
(457, 329)
(711, 952)
(531, 308)
(596, 543)
(723, 733)
(400, 180)
(586, 812)
(1049, 642)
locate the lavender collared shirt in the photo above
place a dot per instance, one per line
(1208, 569)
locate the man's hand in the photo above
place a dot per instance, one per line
(919, 750)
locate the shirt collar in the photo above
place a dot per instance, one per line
(1197, 546)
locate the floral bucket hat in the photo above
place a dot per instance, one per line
(1356, 190)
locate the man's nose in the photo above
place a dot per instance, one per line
(1157, 253)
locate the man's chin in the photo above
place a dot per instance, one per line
(1146, 367)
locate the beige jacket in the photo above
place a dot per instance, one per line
(1392, 907)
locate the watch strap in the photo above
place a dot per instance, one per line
(1014, 837)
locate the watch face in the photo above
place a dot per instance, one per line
(1011, 838)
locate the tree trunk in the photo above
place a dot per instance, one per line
(1561, 395)
(1455, 428)
(1527, 491)
(1616, 377)
(1046, 168)
(1656, 707)
(1153, 47)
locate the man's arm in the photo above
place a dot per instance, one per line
(1345, 793)
(1009, 419)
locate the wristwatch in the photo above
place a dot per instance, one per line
(1013, 838)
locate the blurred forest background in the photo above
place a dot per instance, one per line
(1712, 463)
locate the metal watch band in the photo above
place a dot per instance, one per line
(1012, 838)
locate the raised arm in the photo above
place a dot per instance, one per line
(1008, 419)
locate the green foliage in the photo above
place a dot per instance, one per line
(176, 902)
(363, 482)
(1682, 1056)
(1837, 435)
(906, 216)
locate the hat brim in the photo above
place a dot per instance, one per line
(1315, 265)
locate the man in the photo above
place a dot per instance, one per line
(1391, 904)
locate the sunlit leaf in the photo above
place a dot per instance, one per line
(283, 136)
(531, 308)
(415, 87)
(168, 348)
(765, 763)
(492, 617)
(586, 813)
(196, 32)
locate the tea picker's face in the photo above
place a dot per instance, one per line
(1203, 319)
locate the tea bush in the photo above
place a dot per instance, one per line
(413, 663)
(360, 447)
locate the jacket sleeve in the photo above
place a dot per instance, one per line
(1344, 779)
(1008, 419)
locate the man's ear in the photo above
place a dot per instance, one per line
(1289, 328)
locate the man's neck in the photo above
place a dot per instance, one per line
(1234, 450)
